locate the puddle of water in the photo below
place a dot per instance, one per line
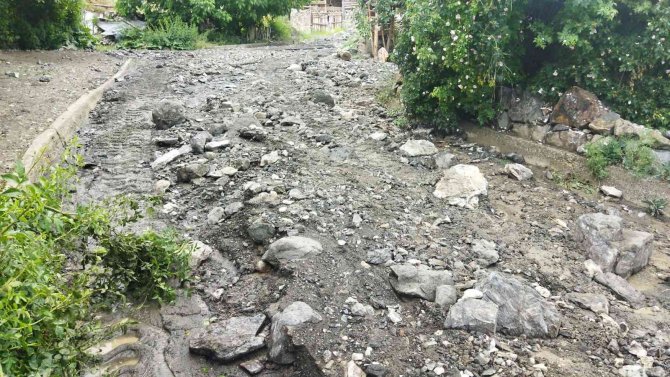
(104, 348)
(118, 364)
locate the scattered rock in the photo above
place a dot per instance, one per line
(571, 140)
(344, 55)
(416, 148)
(444, 160)
(187, 173)
(446, 295)
(253, 133)
(270, 158)
(611, 191)
(379, 256)
(377, 370)
(485, 252)
(252, 367)
(215, 215)
(170, 156)
(621, 288)
(321, 96)
(378, 136)
(230, 339)
(284, 324)
(473, 315)
(518, 171)
(217, 145)
(418, 281)
(290, 249)
(354, 370)
(594, 302)
(233, 208)
(199, 140)
(261, 232)
(161, 186)
(168, 114)
(461, 186)
(521, 309)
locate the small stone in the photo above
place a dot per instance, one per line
(394, 316)
(446, 295)
(252, 367)
(611, 191)
(233, 208)
(161, 186)
(229, 171)
(518, 171)
(215, 215)
(270, 158)
(168, 114)
(199, 140)
(261, 232)
(290, 249)
(187, 173)
(378, 136)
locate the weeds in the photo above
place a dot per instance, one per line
(58, 265)
(571, 182)
(634, 154)
(656, 206)
(172, 34)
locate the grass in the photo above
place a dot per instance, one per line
(171, 34)
(572, 182)
(319, 34)
(634, 155)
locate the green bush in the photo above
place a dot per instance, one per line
(232, 18)
(455, 55)
(634, 154)
(169, 33)
(57, 266)
(603, 153)
(41, 24)
(280, 29)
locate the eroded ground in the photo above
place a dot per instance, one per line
(360, 198)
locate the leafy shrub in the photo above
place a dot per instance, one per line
(639, 158)
(169, 33)
(634, 154)
(43, 24)
(280, 29)
(656, 206)
(603, 153)
(229, 17)
(56, 264)
(455, 54)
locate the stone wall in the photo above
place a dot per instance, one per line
(578, 118)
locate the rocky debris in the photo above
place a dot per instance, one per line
(462, 185)
(621, 288)
(321, 96)
(377, 370)
(215, 215)
(216, 145)
(444, 160)
(378, 136)
(290, 249)
(518, 171)
(591, 301)
(417, 148)
(611, 191)
(284, 324)
(570, 140)
(379, 256)
(485, 252)
(167, 141)
(354, 370)
(344, 55)
(624, 128)
(530, 131)
(170, 156)
(270, 158)
(473, 315)
(604, 124)
(189, 172)
(233, 208)
(358, 309)
(521, 310)
(229, 339)
(199, 141)
(261, 232)
(168, 114)
(14, 75)
(612, 247)
(418, 281)
(446, 295)
(253, 133)
(577, 108)
(252, 367)
(161, 186)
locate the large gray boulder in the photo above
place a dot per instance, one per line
(611, 247)
(230, 339)
(526, 109)
(462, 185)
(418, 281)
(284, 324)
(521, 309)
(290, 249)
(168, 114)
(473, 315)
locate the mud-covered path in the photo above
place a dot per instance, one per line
(286, 162)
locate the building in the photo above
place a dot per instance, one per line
(323, 15)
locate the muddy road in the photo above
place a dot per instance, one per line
(332, 246)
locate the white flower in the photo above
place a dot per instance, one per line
(555, 73)
(541, 91)
(412, 38)
(458, 17)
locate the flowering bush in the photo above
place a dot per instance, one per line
(454, 55)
